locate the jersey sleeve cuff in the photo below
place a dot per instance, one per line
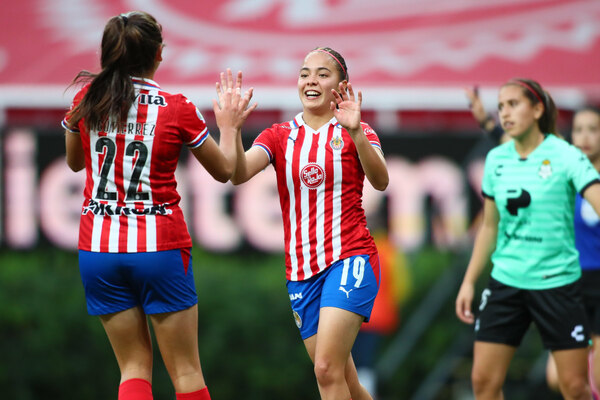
(487, 196)
(583, 189)
(198, 140)
(266, 149)
(66, 126)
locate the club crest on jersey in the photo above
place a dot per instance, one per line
(545, 171)
(298, 320)
(312, 175)
(152, 99)
(337, 143)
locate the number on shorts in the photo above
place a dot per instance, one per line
(358, 271)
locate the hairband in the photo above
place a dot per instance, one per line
(336, 59)
(124, 20)
(528, 87)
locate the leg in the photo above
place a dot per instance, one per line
(490, 364)
(330, 351)
(552, 374)
(177, 338)
(129, 337)
(572, 368)
(357, 391)
(595, 364)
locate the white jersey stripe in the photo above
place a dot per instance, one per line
(132, 235)
(305, 203)
(336, 225)
(320, 218)
(151, 233)
(289, 155)
(152, 118)
(96, 232)
(113, 236)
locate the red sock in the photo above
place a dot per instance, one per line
(201, 394)
(135, 389)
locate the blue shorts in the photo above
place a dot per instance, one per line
(350, 284)
(159, 282)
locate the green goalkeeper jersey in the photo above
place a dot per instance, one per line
(535, 198)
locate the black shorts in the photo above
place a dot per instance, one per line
(590, 288)
(506, 312)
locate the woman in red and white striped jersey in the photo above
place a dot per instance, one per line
(321, 158)
(134, 246)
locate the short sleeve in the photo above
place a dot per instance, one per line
(266, 141)
(191, 124)
(67, 119)
(371, 136)
(580, 170)
(487, 184)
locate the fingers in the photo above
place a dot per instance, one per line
(238, 82)
(350, 91)
(463, 311)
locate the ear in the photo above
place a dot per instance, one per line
(538, 110)
(159, 53)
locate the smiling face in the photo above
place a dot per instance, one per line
(518, 116)
(586, 133)
(317, 77)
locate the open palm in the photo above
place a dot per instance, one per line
(347, 111)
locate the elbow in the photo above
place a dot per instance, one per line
(75, 166)
(223, 177)
(237, 180)
(380, 184)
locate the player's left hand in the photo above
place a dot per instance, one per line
(231, 109)
(348, 105)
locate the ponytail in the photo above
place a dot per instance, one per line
(130, 43)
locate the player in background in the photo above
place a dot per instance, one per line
(321, 158)
(529, 188)
(586, 136)
(134, 246)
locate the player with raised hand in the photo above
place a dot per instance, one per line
(134, 246)
(321, 158)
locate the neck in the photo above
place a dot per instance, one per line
(315, 121)
(596, 162)
(527, 143)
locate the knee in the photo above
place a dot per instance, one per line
(484, 382)
(576, 388)
(326, 373)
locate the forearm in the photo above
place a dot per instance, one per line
(484, 244)
(74, 151)
(227, 145)
(240, 172)
(372, 161)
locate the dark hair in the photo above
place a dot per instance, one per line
(340, 63)
(589, 108)
(129, 46)
(536, 94)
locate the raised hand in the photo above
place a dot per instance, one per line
(347, 111)
(231, 109)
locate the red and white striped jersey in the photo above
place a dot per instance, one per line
(320, 182)
(130, 199)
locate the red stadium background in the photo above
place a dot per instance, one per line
(404, 54)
